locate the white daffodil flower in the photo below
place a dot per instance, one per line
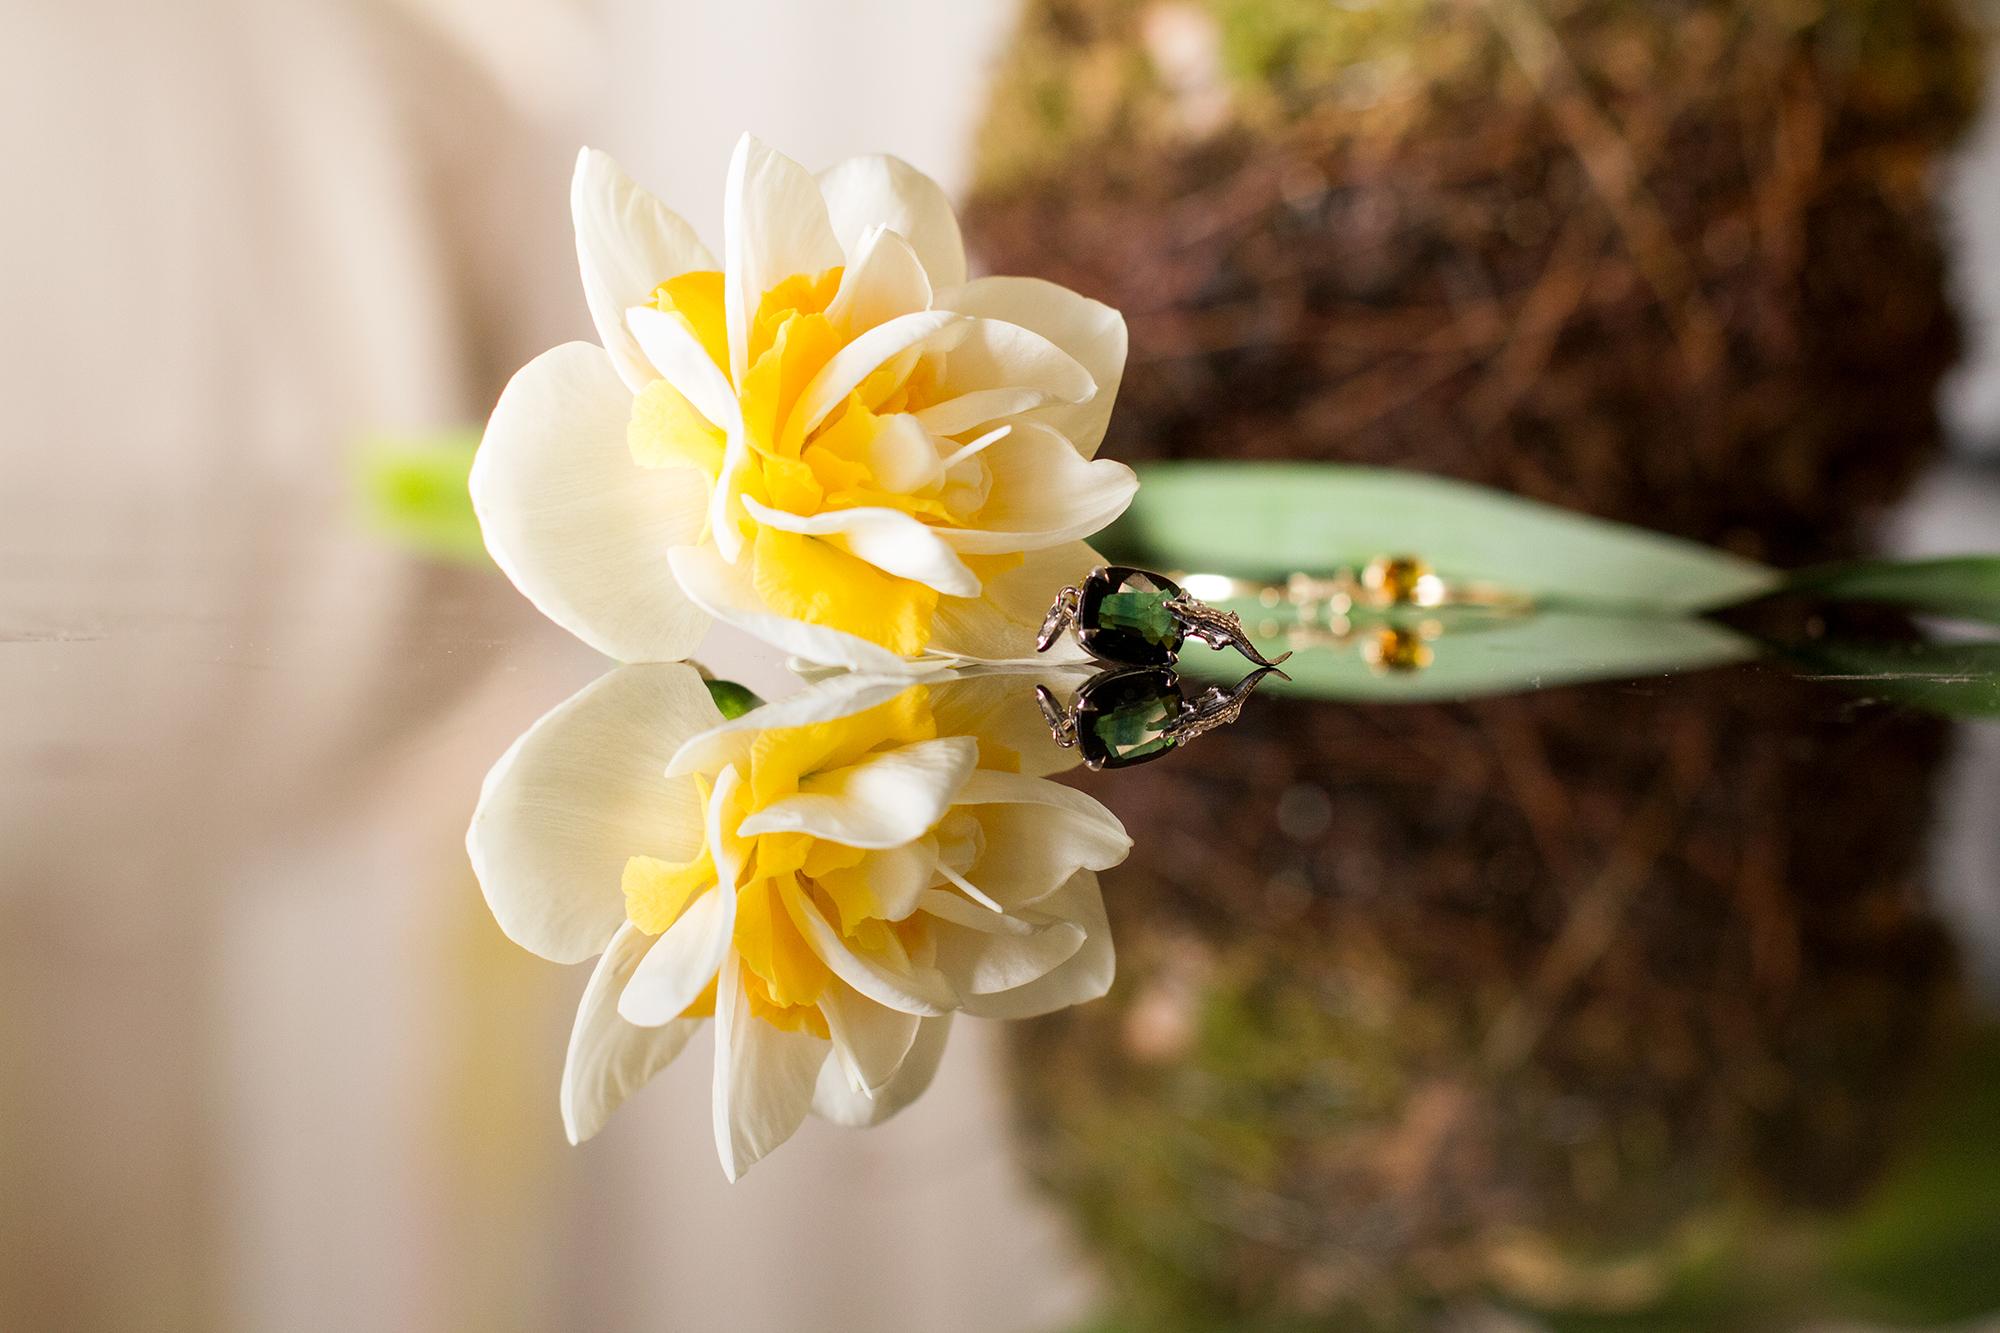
(832, 439)
(829, 878)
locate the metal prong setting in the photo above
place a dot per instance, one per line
(1217, 629)
(1062, 615)
(1061, 720)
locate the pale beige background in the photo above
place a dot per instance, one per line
(264, 1061)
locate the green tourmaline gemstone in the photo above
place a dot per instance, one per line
(1123, 617)
(1124, 717)
(1142, 613)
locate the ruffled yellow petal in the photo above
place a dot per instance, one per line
(852, 897)
(888, 942)
(827, 857)
(997, 757)
(666, 431)
(697, 298)
(657, 892)
(800, 294)
(781, 854)
(840, 457)
(903, 383)
(990, 567)
(781, 757)
(808, 579)
(791, 485)
(703, 1005)
(839, 453)
(789, 1017)
(772, 948)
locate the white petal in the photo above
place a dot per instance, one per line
(822, 701)
(884, 801)
(884, 280)
(580, 793)
(976, 408)
(608, 1058)
(774, 225)
(960, 840)
(898, 876)
(764, 1077)
(681, 963)
(923, 331)
(1043, 494)
(997, 369)
(627, 244)
(903, 455)
(1000, 625)
(998, 706)
(972, 448)
(682, 361)
(836, 1100)
(836, 696)
(725, 495)
(945, 905)
(921, 990)
(888, 539)
(726, 592)
(869, 1039)
(1087, 973)
(728, 846)
(981, 951)
(1038, 834)
(581, 529)
(1088, 330)
(865, 192)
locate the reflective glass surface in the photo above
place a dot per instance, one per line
(1530, 970)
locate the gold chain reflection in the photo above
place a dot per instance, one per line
(1362, 607)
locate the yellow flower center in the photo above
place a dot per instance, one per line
(788, 874)
(842, 462)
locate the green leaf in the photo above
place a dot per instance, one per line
(412, 491)
(1966, 587)
(734, 700)
(1950, 679)
(1268, 520)
(1472, 658)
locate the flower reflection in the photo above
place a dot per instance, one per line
(829, 878)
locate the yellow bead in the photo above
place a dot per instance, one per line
(1397, 650)
(1396, 580)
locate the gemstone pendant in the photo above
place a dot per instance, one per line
(1123, 616)
(1128, 717)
